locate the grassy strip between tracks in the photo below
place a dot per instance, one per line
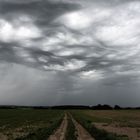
(70, 134)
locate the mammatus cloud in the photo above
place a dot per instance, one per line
(94, 41)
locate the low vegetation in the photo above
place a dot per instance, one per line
(42, 133)
(40, 123)
(29, 124)
(70, 134)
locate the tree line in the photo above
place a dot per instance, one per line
(96, 107)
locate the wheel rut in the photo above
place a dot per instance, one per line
(82, 133)
(60, 133)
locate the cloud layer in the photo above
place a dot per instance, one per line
(94, 41)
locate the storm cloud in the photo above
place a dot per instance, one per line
(69, 52)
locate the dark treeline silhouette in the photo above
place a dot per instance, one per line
(15, 107)
(96, 107)
(102, 107)
(70, 107)
(117, 107)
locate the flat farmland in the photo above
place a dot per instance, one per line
(52, 124)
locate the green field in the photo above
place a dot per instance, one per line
(39, 124)
(22, 123)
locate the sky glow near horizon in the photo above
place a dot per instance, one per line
(56, 52)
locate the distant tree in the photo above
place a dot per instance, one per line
(117, 107)
(107, 107)
(102, 107)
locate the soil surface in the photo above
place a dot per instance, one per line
(3, 137)
(60, 133)
(132, 133)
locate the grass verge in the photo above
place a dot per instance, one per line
(43, 133)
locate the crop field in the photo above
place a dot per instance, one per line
(28, 123)
(50, 124)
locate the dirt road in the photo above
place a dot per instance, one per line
(81, 132)
(61, 131)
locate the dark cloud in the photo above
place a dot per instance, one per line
(66, 50)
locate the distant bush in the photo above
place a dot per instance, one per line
(102, 107)
(117, 107)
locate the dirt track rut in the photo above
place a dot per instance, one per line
(81, 132)
(61, 131)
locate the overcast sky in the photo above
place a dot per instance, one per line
(55, 52)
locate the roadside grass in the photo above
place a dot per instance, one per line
(98, 134)
(70, 133)
(26, 123)
(42, 133)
